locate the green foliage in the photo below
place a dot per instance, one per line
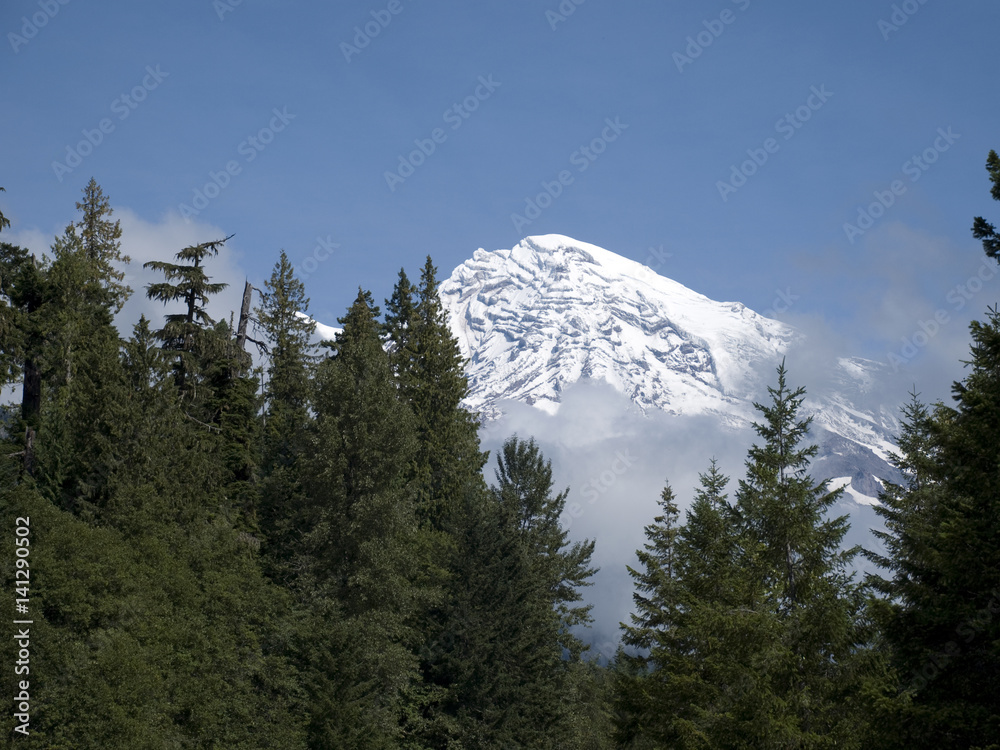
(524, 492)
(101, 244)
(287, 399)
(430, 372)
(148, 632)
(747, 621)
(186, 333)
(939, 615)
(503, 655)
(982, 229)
(288, 391)
(21, 294)
(323, 565)
(356, 551)
(4, 221)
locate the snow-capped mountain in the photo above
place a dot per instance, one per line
(536, 319)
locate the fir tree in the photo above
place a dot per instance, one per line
(399, 327)
(356, 554)
(982, 229)
(558, 570)
(287, 398)
(708, 544)
(504, 658)
(524, 490)
(100, 240)
(4, 221)
(798, 575)
(22, 292)
(71, 374)
(186, 333)
(445, 471)
(751, 622)
(431, 377)
(940, 607)
(646, 707)
(287, 393)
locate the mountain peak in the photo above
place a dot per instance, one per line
(552, 310)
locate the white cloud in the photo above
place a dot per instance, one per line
(616, 463)
(144, 241)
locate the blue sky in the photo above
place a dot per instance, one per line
(823, 106)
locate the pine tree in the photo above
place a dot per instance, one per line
(484, 667)
(504, 657)
(798, 575)
(708, 544)
(287, 393)
(287, 398)
(399, 327)
(356, 554)
(101, 243)
(445, 471)
(940, 606)
(154, 624)
(430, 372)
(71, 375)
(751, 619)
(22, 292)
(558, 571)
(982, 229)
(11, 259)
(524, 489)
(186, 333)
(647, 711)
(4, 221)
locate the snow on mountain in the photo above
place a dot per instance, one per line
(323, 332)
(551, 311)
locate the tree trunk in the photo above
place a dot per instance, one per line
(31, 399)
(241, 333)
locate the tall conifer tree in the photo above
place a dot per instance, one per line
(356, 554)
(187, 333)
(431, 377)
(287, 398)
(941, 606)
